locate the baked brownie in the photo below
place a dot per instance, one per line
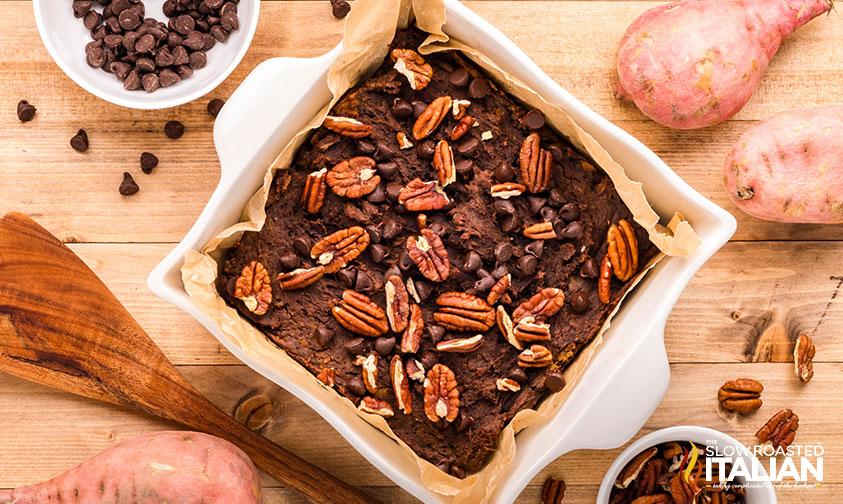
(390, 193)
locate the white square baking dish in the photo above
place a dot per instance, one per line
(629, 373)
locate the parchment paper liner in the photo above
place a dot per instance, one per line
(369, 29)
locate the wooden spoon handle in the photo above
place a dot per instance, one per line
(315, 484)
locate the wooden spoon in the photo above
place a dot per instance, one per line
(60, 326)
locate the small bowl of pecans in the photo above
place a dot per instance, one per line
(684, 465)
(147, 54)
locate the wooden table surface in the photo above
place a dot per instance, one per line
(737, 318)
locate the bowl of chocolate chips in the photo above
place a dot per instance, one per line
(147, 54)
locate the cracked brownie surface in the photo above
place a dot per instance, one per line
(482, 237)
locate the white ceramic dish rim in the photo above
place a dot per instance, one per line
(699, 435)
(129, 101)
(628, 375)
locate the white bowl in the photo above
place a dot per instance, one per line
(759, 493)
(65, 37)
(629, 373)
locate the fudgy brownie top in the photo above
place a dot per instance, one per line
(435, 239)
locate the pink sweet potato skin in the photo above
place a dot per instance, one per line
(695, 63)
(789, 167)
(172, 467)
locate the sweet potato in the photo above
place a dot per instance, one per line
(695, 63)
(789, 167)
(171, 467)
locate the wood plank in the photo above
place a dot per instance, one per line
(75, 195)
(79, 428)
(746, 289)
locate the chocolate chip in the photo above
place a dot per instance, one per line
(289, 260)
(535, 248)
(346, 277)
(95, 57)
(340, 8)
(570, 211)
(184, 24)
(590, 269)
(468, 147)
(118, 6)
(423, 289)
(219, 33)
(145, 44)
(128, 187)
(503, 207)
(579, 302)
(391, 229)
(503, 252)
(472, 263)
(91, 20)
(486, 281)
(132, 81)
(150, 82)
(384, 345)
(228, 20)
(401, 108)
(323, 336)
(404, 260)
(557, 198)
(99, 33)
(81, 7)
(535, 204)
(426, 149)
(145, 65)
(355, 346)
(459, 77)
(129, 41)
(194, 41)
(478, 88)
(465, 167)
(557, 151)
(377, 253)
(418, 108)
(364, 282)
(374, 234)
(214, 107)
(527, 264)
(500, 271)
(554, 381)
(435, 333)
(457, 472)
(383, 152)
(548, 213)
(444, 466)
(210, 41)
(79, 142)
(464, 421)
(518, 374)
(355, 386)
(438, 228)
(198, 60)
(302, 246)
(164, 57)
(393, 190)
(534, 119)
(386, 170)
(428, 359)
(129, 19)
(183, 72)
(365, 147)
(120, 69)
(180, 56)
(26, 111)
(174, 129)
(511, 224)
(504, 173)
(113, 41)
(573, 231)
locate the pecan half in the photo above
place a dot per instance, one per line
(462, 127)
(411, 65)
(540, 231)
(253, 288)
(397, 303)
(369, 369)
(314, 191)
(460, 311)
(300, 278)
(460, 345)
(541, 306)
(375, 406)
(419, 196)
(459, 108)
(432, 116)
(742, 395)
(411, 338)
(604, 284)
(400, 385)
(623, 250)
(684, 491)
(414, 369)
(536, 164)
(780, 430)
(347, 126)
(338, 249)
(535, 356)
(443, 162)
(354, 178)
(507, 385)
(499, 289)
(360, 315)
(648, 481)
(553, 491)
(429, 254)
(327, 376)
(633, 468)
(529, 331)
(441, 397)
(505, 325)
(508, 190)
(803, 358)
(403, 140)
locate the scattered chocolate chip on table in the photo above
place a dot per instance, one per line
(128, 187)
(214, 107)
(174, 129)
(79, 141)
(148, 162)
(26, 111)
